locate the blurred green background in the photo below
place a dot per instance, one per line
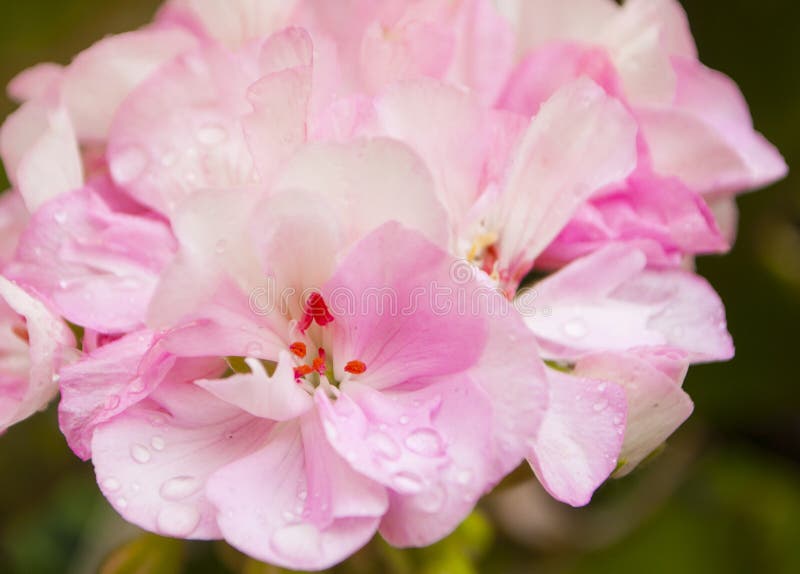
(723, 497)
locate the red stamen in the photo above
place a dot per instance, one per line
(21, 332)
(319, 363)
(315, 310)
(302, 371)
(355, 367)
(298, 349)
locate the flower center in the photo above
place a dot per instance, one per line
(320, 371)
(483, 253)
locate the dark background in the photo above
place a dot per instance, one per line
(724, 496)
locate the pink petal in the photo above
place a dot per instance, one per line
(153, 460)
(657, 405)
(661, 217)
(549, 180)
(115, 377)
(14, 218)
(608, 301)
(233, 23)
(180, 130)
(707, 139)
(578, 444)
(454, 147)
(388, 313)
(36, 82)
(422, 442)
(30, 369)
(40, 153)
(97, 267)
(100, 78)
(277, 397)
(367, 184)
(295, 503)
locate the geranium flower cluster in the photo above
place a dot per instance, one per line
(304, 271)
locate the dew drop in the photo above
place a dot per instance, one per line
(463, 477)
(137, 386)
(576, 328)
(178, 520)
(294, 542)
(432, 500)
(111, 484)
(140, 454)
(128, 165)
(112, 402)
(384, 445)
(600, 406)
(404, 420)
(122, 502)
(425, 442)
(407, 483)
(179, 487)
(158, 443)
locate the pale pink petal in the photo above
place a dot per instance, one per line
(608, 301)
(516, 382)
(36, 83)
(180, 131)
(657, 405)
(100, 78)
(707, 138)
(539, 21)
(40, 152)
(295, 503)
(367, 184)
(32, 370)
(153, 460)
(484, 50)
(580, 141)
(209, 227)
(98, 268)
(232, 22)
(277, 127)
(577, 446)
(545, 70)
(277, 397)
(14, 218)
(454, 147)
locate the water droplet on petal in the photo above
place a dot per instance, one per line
(137, 386)
(600, 406)
(140, 454)
(158, 443)
(576, 328)
(122, 502)
(295, 541)
(112, 402)
(425, 442)
(432, 500)
(179, 487)
(463, 477)
(404, 420)
(407, 483)
(111, 484)
(177, 520)
(384, 445)
(60, 217)
(128, 164)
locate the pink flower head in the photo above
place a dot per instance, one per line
(346, 419)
